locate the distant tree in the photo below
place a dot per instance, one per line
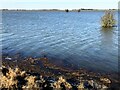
(108, 20)
(82, 9)
(4, 9)
(78, 10)
(66, 10)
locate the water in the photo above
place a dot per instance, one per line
(70, 39)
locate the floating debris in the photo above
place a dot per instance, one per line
(8, 58)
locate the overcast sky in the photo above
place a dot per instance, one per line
(58, 4)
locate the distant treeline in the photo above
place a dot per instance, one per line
(66, 10)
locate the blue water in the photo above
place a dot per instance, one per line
(70, 38)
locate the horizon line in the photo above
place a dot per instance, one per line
(57, 9)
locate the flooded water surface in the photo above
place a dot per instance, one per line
(70, 39)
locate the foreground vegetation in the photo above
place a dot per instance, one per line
(17, 79)
(39, 73)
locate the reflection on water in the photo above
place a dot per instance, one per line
(107, 40)
(108, 45)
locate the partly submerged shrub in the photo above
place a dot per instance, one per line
(108, 20)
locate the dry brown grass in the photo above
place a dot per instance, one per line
(11, 79)
(60, 81)
(17, 79)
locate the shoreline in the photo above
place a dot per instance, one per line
(42, 66)
(55, 61)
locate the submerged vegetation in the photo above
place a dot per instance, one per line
(108, 20)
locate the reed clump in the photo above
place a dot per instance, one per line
(108, 20)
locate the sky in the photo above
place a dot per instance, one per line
(58, 4)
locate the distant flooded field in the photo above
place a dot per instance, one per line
(69, 39)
